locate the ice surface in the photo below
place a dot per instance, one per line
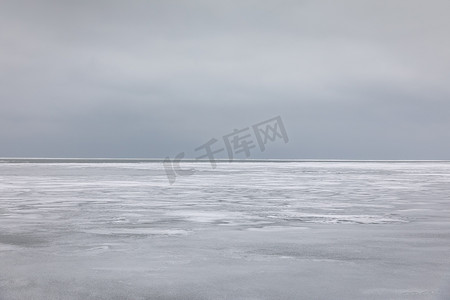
(285, 230)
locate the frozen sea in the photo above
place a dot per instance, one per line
(245, 230)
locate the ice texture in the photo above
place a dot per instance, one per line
(245, 230)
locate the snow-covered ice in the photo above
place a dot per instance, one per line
(245, 230)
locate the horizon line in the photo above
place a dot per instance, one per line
(220, 160)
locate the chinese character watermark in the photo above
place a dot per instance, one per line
(238, 142)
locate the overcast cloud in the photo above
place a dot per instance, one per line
(351, 79)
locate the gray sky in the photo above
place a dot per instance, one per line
(351, 79)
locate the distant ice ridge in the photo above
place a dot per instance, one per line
(345, 219)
